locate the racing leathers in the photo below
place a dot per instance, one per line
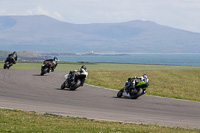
(82, 72)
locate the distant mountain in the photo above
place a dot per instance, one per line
(44, 34)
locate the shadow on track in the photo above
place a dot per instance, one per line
(39, 75)
(64, 89)
(123, 98)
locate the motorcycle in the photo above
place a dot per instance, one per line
(134, 90)
(7, 65)
(74, 80)
(45, 68)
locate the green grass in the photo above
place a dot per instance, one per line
(181, 84)
(31, 122)
(100, 66)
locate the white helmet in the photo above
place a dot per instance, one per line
(145, 76)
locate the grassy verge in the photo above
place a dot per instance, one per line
(181, 84)
(25, 122)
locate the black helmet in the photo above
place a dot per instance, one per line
(55, 58)
(129, 79)
(83, 67)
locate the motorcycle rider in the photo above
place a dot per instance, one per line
(129, 83)
(83, 71)
(52, 63)
(12, 58)
(144, 78)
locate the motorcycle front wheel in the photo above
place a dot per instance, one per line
(64, 85)
(7, 65)
(44, 71)
(4, 67)
(119, 94)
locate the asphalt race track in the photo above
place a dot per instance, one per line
(27, 90)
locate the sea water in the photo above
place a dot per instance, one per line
(162, 59)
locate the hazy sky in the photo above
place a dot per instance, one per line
(182, 14)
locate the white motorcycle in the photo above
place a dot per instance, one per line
(74, 80)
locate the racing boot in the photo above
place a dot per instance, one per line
(81, 83)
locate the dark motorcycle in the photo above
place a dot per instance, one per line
(45, 68)
(135, 89)
(74, 80)
(10, 60)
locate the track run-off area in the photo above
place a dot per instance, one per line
(27, 90)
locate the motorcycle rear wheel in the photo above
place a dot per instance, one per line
(139, 93)
(74, 87)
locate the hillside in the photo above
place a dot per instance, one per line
(24, 55)
(44, 34)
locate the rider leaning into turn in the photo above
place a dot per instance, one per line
(83, 71)
(12, 58)
(52, 63)
(129, 83)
